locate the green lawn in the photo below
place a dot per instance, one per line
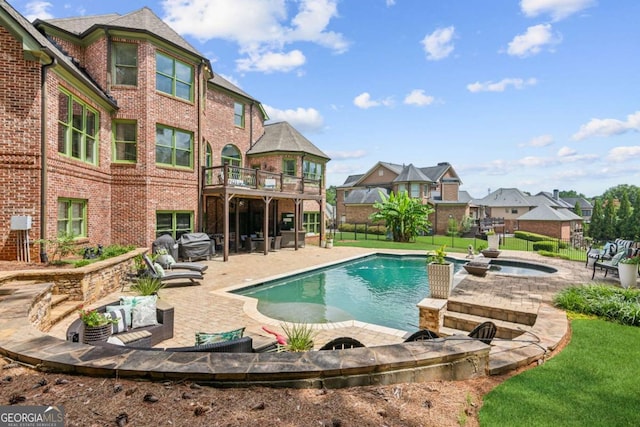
(594, 381)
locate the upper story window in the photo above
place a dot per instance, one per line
(77, 129)
(125, 141)
(231, 155)
(174, 147)
(415, 190)
(311, 170)
(72, 217)
(238, 114)
(174, 77)
(125, 64)
(289, 167)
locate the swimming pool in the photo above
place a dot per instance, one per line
(379, 289)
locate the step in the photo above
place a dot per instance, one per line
(62, 310)
(466, 322)
(58, 299)
(497, 313)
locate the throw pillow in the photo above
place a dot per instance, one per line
(214, 337)
(119, 320)
(144, 315)
(617, 257)
(158, 269)
(138, 300)
(127, 312)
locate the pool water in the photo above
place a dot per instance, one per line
(378, 289)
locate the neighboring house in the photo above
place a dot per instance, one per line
(586, 207)
(543, 213)
(436, 185)
(117, 130)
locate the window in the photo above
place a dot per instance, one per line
(174, 77)
(402, 188)
(174, 147)
(125, 64)
(415, 190)
(238, 114)
(514, 211)
(72, 217)
(124, 141)
(311, 170)
(175, 222)
(289, 167)
(311, 222)
(77, 128)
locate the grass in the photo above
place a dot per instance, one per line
(592, 382)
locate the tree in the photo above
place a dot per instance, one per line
(577, 209)
(617, 192)
(404, 216)
(624, 229)
(609, 220)
(331, 195)
(597, 220)
(570, 194)
(634, 220)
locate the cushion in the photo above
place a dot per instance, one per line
(114, 340)
(119, 319)
(158, 269)
(617, 257)
(144, 315)
(138, 300)
(214, 337)
(127, 312)
(166, 259)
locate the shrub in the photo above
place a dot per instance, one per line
(147, 285)
(545, 246)
(615, 304)
(299, 336)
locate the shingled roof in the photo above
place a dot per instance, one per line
(547, 213)
(412, 174)
(282, 137)
(366, 196)
(141, 20)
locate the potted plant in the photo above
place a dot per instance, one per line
(97, 326)
(628, 271)
(147, 285)
(299, 337)
(440, 273)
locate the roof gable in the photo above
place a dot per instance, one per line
(412, 174)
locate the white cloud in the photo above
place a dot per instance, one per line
(390, 2)
(417, 97)
(345, 155)
(621, 154)
(271, 61)
(261, 28)
(539, 141)
(231, 79)
(364, 101)
(608, 127)
(500, 86)
(38, 10)
(566, 151)
(303, 119)
(533, 40)
(558, 9)
(438, 45)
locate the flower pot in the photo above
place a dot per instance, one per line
(96, 333)
(476, 269)
(329, 244)
(628, 274)
(440, 279)
(490, 253)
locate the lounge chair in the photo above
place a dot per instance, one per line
(484, 332)
(169, 263)
(172, 275)
(342, 343)
(422, 335)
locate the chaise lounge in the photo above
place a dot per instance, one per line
(163, 276)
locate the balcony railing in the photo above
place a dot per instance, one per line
(233, 176)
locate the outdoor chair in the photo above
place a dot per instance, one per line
(422, 335)
(172, 275)
(169, 263)
(342, 343)
(484, 332)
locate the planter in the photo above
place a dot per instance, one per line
(97, 333)
(476, 269)
(490, 253)
(628, 274)
(329, 244)
(440, 279)
(493, 240)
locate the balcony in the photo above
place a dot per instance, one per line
(218, 178)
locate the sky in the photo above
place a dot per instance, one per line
(532, 94)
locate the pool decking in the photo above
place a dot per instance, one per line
(208, 308)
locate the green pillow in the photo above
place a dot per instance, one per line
(617, 257)
(214, 337)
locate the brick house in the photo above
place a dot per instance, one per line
(437, 185)
(117, 130)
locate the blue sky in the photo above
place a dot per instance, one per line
(533, 94)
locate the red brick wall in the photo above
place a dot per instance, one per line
(557, 229)
(19, 142)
